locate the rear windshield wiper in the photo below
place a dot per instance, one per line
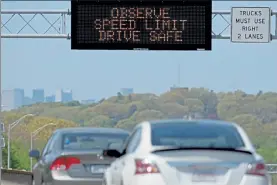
(170, 148)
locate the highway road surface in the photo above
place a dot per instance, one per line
(18, 177)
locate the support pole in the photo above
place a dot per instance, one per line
(9, 145)
(31, 148)
(276, 24)
(1, 88)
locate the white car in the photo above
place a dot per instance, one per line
(182, 152)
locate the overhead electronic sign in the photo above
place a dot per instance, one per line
(133, 24)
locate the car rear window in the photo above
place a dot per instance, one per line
(86, 141)
(196, 135)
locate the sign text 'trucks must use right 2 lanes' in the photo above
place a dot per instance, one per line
(250, 25)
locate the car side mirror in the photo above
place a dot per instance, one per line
(34, 154)
(111, 153)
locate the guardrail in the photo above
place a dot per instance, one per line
(16, 177)
(23, 177)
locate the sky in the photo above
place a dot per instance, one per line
(51, 64)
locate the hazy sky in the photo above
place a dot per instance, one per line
(50, 64)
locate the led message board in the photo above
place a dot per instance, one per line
(152, 25)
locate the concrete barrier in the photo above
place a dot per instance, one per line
(16, 177)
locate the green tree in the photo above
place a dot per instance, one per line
(256, 113)
(17, 160)
(100, 121)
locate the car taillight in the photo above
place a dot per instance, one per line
(64, 163)
(143, 166)
(256, 169)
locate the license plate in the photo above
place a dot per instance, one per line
(204, 177)
(98, 168)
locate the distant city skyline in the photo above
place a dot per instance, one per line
(16, 97)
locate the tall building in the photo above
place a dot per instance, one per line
(59, 95)
(49, 99)
(64, 96)
(12, 99)
(67, 96)
(38, 95)
(126, 91)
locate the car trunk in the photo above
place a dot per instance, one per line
(93, 164)
(208, 166)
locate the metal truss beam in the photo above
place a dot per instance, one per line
(55, 23)
(58, 28)
(212, 0)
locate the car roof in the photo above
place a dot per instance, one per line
(157, 123)
(92, 130)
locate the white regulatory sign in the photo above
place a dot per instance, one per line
(250, 25)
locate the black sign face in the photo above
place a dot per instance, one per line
(152, 25)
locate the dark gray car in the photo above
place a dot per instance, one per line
(74, 156)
